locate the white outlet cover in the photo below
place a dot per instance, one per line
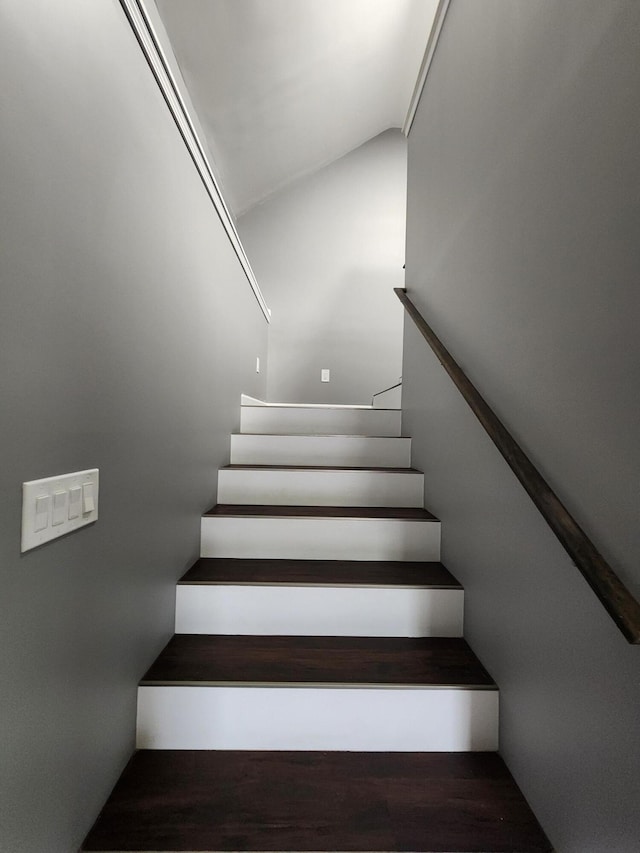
(325, 375)
(38, 503)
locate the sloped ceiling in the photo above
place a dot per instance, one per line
(283, 87)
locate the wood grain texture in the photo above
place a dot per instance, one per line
(403, 513)
(422, 661)
(618, 601)
(317, 801)
(210, 570)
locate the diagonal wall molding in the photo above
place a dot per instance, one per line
(157, 50)
(432, 44)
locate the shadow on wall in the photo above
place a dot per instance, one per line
(356, 334)
(328, 251)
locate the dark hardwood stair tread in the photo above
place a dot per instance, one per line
(211, 570)
(238, 467)
(317, 801)
(379, 661)
(404, 513)
(321, 435)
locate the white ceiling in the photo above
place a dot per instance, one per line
(283, 87)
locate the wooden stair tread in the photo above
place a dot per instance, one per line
(238, 467)
(316, 801)
(404, 513)
(322, 435)
(356, 661)
(211, 570)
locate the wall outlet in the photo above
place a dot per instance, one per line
(258, 364)
(325, 375)
(57, 505)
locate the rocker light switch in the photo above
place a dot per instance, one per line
(58, 505)
(325, 375)
(75, 501)
(59, 511)
(42, 513)
(88, 501)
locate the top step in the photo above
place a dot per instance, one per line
(319, 420)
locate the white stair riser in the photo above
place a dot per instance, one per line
(336, 450)
(311, 421)
(320, 488)
(320, 611)
(333, 718)
(300, 538)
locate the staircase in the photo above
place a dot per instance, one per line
(318, 694)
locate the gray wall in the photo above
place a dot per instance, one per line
(523, 252)
(127, 333)
(327, 252)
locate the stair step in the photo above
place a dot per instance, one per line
(338, 450)
(320, 486)
(398, 661)
(312, 801)
(320, 533)
(321, 572)
(281, 692)
(406, 513)
(345, 598)
(314, 420)
(368, 469)
(246, 400)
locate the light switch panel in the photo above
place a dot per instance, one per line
(58, 505)
(325, 375)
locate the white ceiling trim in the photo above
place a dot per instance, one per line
(432, 44)
(159, 55)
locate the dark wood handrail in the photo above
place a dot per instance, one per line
(623, 608)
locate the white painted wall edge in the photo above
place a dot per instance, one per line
(147, 26)
(432, 44)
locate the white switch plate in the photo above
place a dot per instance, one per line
(257, 364)
(325, 375)
(38, 503)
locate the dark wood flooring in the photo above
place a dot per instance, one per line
(211, 570)
(316, 801)
(423, 661)
(236, 467)
(405, 513)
